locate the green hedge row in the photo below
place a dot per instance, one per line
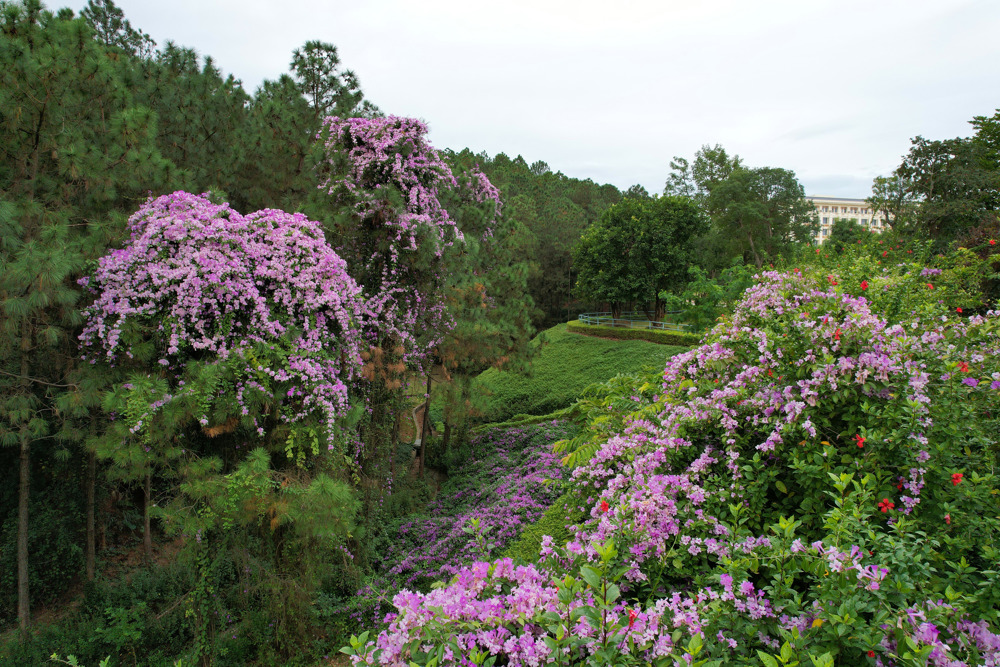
(621, 333)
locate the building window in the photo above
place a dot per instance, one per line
(826, 221)
(864, 221)
(824, 209)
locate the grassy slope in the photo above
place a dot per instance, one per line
(568, 363)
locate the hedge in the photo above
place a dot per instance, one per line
(621, 333)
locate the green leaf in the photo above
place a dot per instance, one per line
(767, 659)
(591, 576)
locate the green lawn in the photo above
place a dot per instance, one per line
(568, 363)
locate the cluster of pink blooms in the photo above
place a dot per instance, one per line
(395, 182)
(748, 397)
(203, 281)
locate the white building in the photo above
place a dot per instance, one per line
(829, 209)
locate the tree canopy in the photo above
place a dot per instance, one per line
(755, 213)
(638, 248)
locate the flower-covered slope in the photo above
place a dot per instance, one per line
(814, 482)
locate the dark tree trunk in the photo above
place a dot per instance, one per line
(423, 427)
(91, 532)
(147, 536)
(23, 606)
(23, 599)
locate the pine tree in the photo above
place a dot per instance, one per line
(74, 148)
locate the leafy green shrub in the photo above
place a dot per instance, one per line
(622, 333)
(563, 512)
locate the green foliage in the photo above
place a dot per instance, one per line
(567, 364)
(563, 513)
(55, 553)
(944, 188)
(706, 300)
(142, 616)
(659, 336)
(845, 232)
(637, 249)
(756, 213)
(554, 210)
(904, 279)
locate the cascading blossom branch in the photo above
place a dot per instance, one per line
(395, 183)
(200, 279)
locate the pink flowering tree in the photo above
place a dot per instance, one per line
(814, 483)
(233, 341)
(388, 186)
(423, 235)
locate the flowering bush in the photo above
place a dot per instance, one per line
(509, 479)
(813, 482)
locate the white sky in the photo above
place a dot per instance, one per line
(832, 90)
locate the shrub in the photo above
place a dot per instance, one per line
(813, 483)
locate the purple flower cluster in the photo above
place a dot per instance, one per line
(197, 277)
(395, 182)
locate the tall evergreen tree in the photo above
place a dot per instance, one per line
(75, 147)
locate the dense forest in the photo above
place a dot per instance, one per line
(221, 314)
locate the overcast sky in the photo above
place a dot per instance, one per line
(611, 90)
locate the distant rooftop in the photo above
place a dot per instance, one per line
(834, 198)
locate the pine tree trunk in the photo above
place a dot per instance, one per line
(23, 606)
(147, 537)
(423, 427)
(91, 532)
(23, 599)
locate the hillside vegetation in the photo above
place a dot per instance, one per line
(567, 364)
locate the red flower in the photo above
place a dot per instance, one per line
(886, 505)
(964, 367)
(604, 506)
(817, 251)
(900, 485)
(993, 242)
(947, 519)
(885, 252)
(959, 309)
(864, 284)
(956, 478)
(929, 286)
(632, 615)
(836, 334)
(871, 654)
(860, 440)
